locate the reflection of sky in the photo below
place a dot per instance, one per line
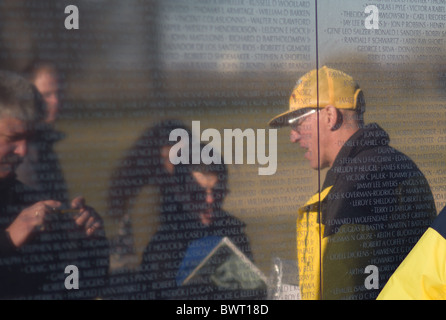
(128, 44)
(407, 31)
(236, 35)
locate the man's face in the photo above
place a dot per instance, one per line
(47, 84)
(304, 132)
(310, 137)
(13, 142)
(205, 195)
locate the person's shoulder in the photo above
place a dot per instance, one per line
(49, 134)
(385, 155)
(229, 219)
(439, 223)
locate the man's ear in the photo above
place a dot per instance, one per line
(334, 117)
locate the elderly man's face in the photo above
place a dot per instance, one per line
(13, 145)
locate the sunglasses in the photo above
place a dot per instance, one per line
(295, 123)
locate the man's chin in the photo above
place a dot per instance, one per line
(8, 170)
(206, 217)
(5, 174)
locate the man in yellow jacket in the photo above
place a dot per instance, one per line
(422, 275)
(374, 204)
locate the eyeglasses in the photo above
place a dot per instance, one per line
(199, 193)
(295, 123)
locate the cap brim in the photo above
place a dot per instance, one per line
(282, 120)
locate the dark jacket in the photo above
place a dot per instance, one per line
(37, 269)
(41, 168)
(373, 207)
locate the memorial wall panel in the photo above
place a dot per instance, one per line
(331, 201)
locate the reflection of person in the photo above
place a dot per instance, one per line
(422, 275)
(145, 163)
(374, 203)
(40, 168)
(45, 78)
(38, 240)
(199, 195)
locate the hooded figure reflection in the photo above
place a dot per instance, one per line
(146, 163)
(198, 198)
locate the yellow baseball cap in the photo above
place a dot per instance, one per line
(336, 88)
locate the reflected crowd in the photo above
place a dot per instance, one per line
(360, 236)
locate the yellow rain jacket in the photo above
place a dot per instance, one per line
(321, 275)
(422, 275)
(309, 247)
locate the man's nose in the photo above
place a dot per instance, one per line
(210, 198)
(294, 136)
(21, 147)
(53, 100)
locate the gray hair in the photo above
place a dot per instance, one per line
(19, 99)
